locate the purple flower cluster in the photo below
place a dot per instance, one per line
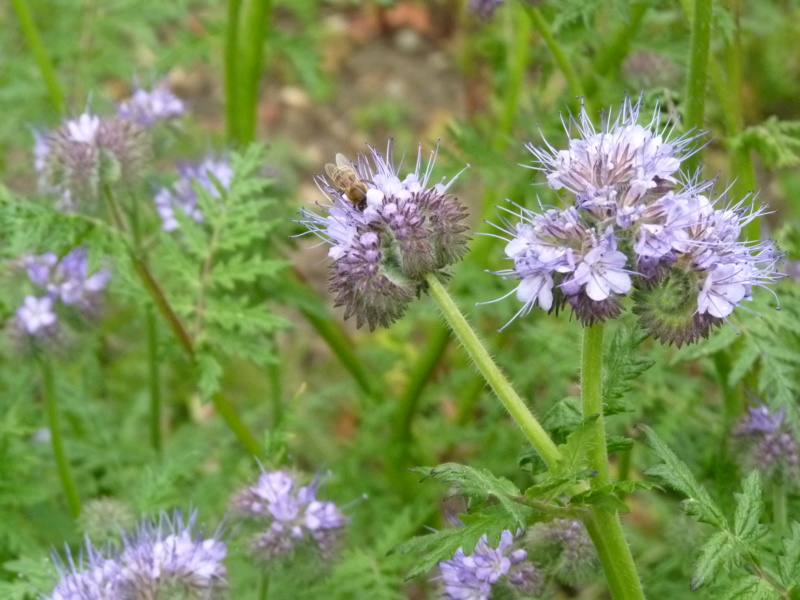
(473, 577)
(208, 173)
(565, 547)
(66, 280)
(147, 108)
(83, 154)
(162, 559)
(483, 8)
(294, 515)
(768, 443)
(386, 234)
(635, 224)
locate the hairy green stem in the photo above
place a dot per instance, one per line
(491, 372)
(231, 74)
(254, 26)
(40, 54)
(541, 25)
(420, 374)
(698, 67)
(592, 400)
(155, 379)
(64, 472)
(603, 524)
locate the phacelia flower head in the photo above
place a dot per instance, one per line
(386, 233)
(168, 556)
(636, 225)
(207, 174)
(768, 444)
(292, 514)
(148, 108)
(162, 559)
(90, 151)
(67, 279)
(473, 576)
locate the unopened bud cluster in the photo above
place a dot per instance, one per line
(164, 559)
(768, 443)
(386, 234)
(84, 154)
(477, 575)
(565, 548)
(635, 225)
(292, 515)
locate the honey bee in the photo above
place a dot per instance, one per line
(346, 180)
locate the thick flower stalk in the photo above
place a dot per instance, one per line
(294, 516)
(208, 174)
(386, 234)
(162, 559)
(474, 576)
(635, 225)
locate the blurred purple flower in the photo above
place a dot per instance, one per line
(147, 108)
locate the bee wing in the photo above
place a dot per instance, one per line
(331, 170)
(343, 161)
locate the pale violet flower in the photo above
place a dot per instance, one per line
(84, 129)
(36, 314)
(208, 174)
(147, 108)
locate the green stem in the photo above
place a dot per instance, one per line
(40, 54)
(603, 524)
(698, 67)
(541, 25)
(235, 424)
(254, 24)
(276, 392)
(592, 400)
(222, 404)
(263, 588)
(343, 349)
(491, 372)
(516, 74)
(64, 472)
(155, 380)
(230, 75)
(779, 504)
(408, 402)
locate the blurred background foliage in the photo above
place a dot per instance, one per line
(338, 74)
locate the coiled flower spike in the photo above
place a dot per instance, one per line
(385, 244)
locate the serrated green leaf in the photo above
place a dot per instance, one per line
(618, 443)
(749, 587)
(777, 141)
(441, 545)
(789, 560)
(551, 487)
(719, 551)
(564, 417)
(744, 361)
(478, 485)
(608, 495)
(622, 368)
(749, 507)
(674, 473)
(574, 452)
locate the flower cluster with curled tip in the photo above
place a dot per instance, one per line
(768, 443)
(384, 247)
(474, 576)
(636, 225)
(162, 559)
(293, 515)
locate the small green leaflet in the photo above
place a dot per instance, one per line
(478, 485)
